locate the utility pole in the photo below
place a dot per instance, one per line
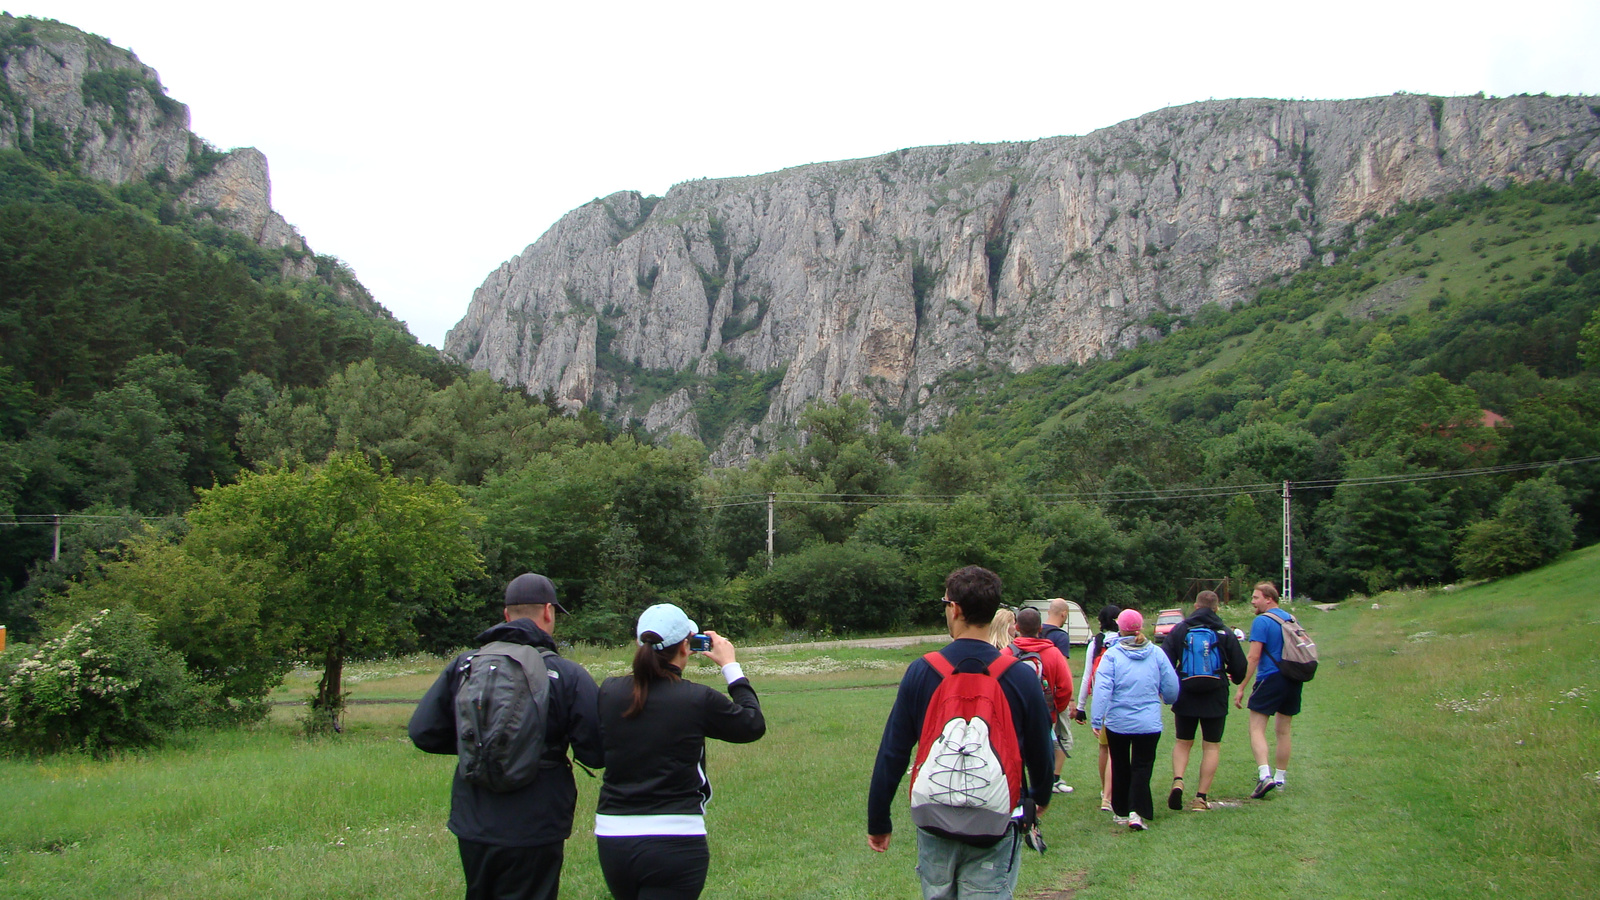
(56, 554)
(771, 498)
(1288, 563)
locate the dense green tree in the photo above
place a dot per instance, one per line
(845, 453)
(1082, 554)
(1268, 451)
(954, 461)
(849, 587)
(972, 532)
(218, 610)
(1428, 422)
(1383, 535)
(1161, 556)
(1112, 434)
(352, 551)
(1532, 527)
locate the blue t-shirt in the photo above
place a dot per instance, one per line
(1266, 630)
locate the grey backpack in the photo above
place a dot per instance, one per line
(501, 709)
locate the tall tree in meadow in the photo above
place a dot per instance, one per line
(354, 552)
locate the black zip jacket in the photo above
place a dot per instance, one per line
(540, 813)
(656, 761)
(1212, 703)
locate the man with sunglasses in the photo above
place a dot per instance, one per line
(946, 863)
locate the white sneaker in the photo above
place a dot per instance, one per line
(1135, 823)
(1061, 787)
(1120, 820)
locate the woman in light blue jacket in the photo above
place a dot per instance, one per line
(1133, 681)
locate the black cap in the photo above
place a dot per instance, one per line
(528, 589)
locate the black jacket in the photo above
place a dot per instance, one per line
(1208, 703)
(540, 813)
(656, 761)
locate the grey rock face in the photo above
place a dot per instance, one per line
(237, 194)
(109, 113)
(878, 276)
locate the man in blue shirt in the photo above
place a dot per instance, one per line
(1272, 693)
(951, 867)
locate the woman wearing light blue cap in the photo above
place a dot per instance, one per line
(650, 820)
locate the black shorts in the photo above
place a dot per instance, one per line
(1276, 694)
(1210, 728)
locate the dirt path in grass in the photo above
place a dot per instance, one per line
(877, 643)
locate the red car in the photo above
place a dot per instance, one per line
(1164, 622)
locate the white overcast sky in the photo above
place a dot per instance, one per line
(425, 144)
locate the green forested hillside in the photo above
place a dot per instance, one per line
(146, 356)
(1383, 363)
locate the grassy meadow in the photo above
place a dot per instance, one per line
(1448, 748)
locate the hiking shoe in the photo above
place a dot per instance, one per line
(1061, 787)
(1135, 823)
(1263, 788)
(1175, 799)
(1120, 820)
(1199, 804)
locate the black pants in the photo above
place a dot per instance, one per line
(655, 868)
(511, 873)
(1133, 760)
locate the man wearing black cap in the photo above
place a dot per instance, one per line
(512, 842)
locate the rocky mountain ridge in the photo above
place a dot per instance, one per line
(74, 98)
(881, 276)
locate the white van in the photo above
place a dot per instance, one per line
(1077, 627)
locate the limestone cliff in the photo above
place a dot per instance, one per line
(74, 98)
(878, 276)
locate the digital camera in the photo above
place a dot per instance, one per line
(701, 642)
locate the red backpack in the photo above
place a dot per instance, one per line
(967, 779)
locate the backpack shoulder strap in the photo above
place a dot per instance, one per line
(999, 666)
(939, 662)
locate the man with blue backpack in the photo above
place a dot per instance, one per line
(1207, 655)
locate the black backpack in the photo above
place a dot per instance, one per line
(501, 709)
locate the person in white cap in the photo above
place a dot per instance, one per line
(650, 826)
(513, 841)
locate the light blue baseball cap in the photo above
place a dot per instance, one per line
(668, 622)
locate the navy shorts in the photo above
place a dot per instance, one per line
(1276, 694)
(1210, 728)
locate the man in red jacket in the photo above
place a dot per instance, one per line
(1055, 676)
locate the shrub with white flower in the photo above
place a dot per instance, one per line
(103, 684)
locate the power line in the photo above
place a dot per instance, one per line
(1207, 492)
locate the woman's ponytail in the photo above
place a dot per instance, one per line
(649, 664)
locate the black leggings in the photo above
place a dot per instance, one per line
(1133, 760)
(654, 868)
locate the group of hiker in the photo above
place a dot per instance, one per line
(982, 726)
(984, 713)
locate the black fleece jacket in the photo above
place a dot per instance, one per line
(656, 761)
(1210, 703)
(540, 813)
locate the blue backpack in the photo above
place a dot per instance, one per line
(1201, 665)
